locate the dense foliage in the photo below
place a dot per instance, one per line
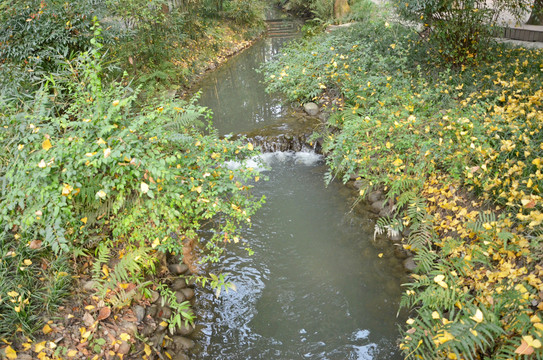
(90, 166)
(459, 31)
(458, 153)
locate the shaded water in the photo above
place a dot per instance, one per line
(315, 287)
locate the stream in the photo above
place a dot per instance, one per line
(316, 286)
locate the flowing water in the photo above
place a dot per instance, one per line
(316, 287)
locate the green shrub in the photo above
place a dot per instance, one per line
(106, 171)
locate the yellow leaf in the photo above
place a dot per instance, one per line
(46, 144)
(13, 293)
(71, 353)
(478, 317)
(397, 162)
(443, 337)
(39, 347)
(10, 353)
(155, 243)
(163, 324)
(47, 329)
(124, 337)
(89, 307)
(27, 262)
(531, 342)
(380, 255)
(250, 146)
(84, 220)
(147, 350)
(435, 315)
(100, 141)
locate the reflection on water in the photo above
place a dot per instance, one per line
(315, 287)
(235, 94)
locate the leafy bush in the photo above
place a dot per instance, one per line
(37, 31)
(108, 172)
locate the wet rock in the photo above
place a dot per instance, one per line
(386, 211)
(124, 348)
(377, 206)
(396, 236)
(178, 269)
(180, 297)
(184, 330)
(311, 108)
(188, 292)
(400, 253)
(183, 343)
(179, 284)
(358, 184)
(375, 196)
(181, 356)
(410, 264)
(139, 311)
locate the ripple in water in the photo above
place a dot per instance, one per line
(315, 287)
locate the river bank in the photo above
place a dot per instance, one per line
(455, 156)
(96, 322)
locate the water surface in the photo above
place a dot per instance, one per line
(316, 287)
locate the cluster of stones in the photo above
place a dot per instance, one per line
(154, 317)
(380, 206)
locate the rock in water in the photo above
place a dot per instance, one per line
(311, 108)
(341, 8)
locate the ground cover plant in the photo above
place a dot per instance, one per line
(458, 152)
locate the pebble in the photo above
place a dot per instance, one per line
(180, 296)
(179, 284)
(124, 348)
(410, 264)
(178, 269)
(183, 343)
(139, 311)
(188, 292)
(180, 356)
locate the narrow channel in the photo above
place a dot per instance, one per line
(316, 287)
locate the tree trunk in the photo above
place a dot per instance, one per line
(342, 8)
(536, 18)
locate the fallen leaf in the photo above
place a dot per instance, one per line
(71, 353)
(524, 349)
(39, 347)
(103, 313)
(124, 337)
(10, 353)
(88, 320)
(47, 329)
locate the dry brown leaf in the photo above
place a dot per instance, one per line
(524, 349)
(88, 319)
(103, 313)
(35, 244)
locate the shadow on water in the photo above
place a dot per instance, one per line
(315, 287)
